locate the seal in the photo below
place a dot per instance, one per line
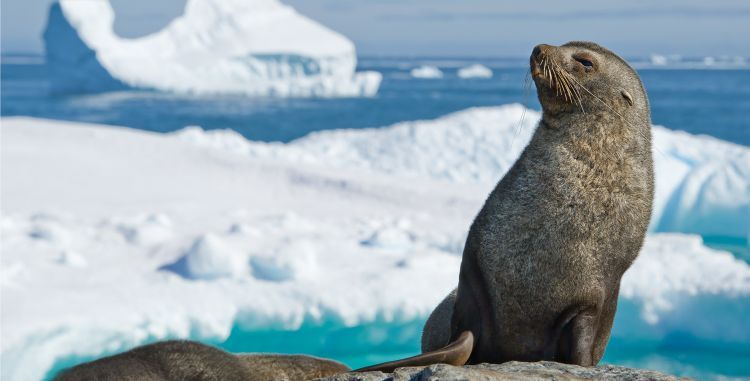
(543, 260)
(189, 360)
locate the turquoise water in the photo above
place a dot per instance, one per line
(712, 102)
(369, 344)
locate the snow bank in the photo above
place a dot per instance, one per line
(426, 72)
(257, 47)
(675, 278)
(702, 183)
(475, 71)
(210, 257)
(288, 237)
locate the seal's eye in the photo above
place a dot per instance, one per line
(586, 63)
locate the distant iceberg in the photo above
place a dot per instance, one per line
(676, 61)
(475, 71)
(253, 47)
(426, 72)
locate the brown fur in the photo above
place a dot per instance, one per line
(188, 360)
(542, 264)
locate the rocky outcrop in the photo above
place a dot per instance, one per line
(515, 371)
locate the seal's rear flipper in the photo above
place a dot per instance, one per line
(455, 353)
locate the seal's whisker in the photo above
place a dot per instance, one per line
(526, 95)
(569, 77)
(566, 86)
(571, 88)
(559, 80)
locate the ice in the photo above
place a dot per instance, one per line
(291, 260)
(659, 60)
(475, 71)
(426, 72)
(673, 282)
(676, 61)
(336, 232)
(674, 264)
(72, 258)
(210, 257)
(390, 238)
(702, 183)
(254, 47)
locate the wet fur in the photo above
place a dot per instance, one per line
(188, 360)
(543, 260)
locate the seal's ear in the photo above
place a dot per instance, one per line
(626, 95)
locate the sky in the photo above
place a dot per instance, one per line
(489, 28)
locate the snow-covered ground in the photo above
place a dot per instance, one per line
(254, 47)
(112, 237)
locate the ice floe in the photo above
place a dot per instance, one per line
(475, 71)
(426, 72)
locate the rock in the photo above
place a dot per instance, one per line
(544, 370)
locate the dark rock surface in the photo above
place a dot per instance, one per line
(509, 371)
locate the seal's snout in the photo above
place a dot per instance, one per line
(537, 56)
(540, 50)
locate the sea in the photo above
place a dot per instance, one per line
(696, 98)
(692, 98)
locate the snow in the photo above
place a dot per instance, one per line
(209, 257)
(475, 71)
(426, 72)
(254, 47)
(115, 237)
(702, 183)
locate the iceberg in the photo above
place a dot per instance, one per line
(475, 71)
(426, 72)
(252, 47)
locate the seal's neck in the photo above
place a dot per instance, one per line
(595, 135)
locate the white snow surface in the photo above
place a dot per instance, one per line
(254, 47)
(475, 71)
(113, 237)
(427, 72)
(702, 183)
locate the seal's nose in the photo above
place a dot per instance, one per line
(540, 49)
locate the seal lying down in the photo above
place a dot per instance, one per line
(189, 360)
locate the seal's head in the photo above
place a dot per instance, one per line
(583, 77)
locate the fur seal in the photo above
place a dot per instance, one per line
(542, 263)
(189, 360)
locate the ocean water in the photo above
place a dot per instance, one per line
(699, 101)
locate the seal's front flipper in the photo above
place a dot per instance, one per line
(577, 340)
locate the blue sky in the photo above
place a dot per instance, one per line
(464, 27)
